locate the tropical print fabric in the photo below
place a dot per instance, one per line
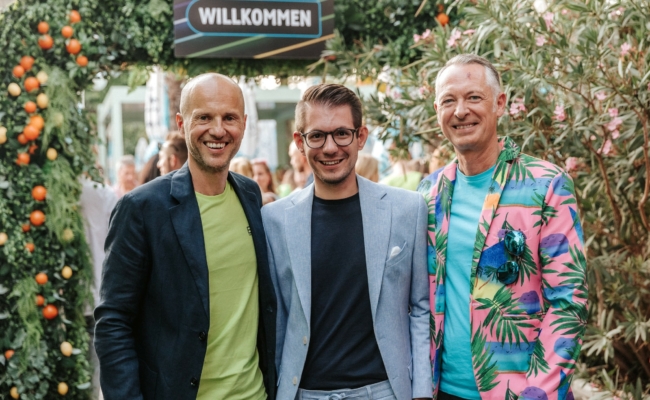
(526, 336)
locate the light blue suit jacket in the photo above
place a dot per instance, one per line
(394, 231)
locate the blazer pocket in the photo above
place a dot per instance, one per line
(148, 380)
(396, 254)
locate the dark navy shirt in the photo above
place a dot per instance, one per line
(343, 351)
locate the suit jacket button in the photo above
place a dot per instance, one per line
(202, 336)
(295, 380)
(194, 382)
(304, 340)
(269, 309)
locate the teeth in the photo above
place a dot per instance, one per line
(330, 162)
(464, 126)
(215, 145)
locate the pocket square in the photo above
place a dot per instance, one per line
(394, 251)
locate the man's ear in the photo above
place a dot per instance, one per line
(298, 140)
(362, 136)
(180, 123)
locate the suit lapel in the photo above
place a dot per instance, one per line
(186, 219)
(298, 232)
(376, 216)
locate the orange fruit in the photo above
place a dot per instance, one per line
(45, 42)
(23, 159)
(40, 300)
(18, 71)
(37, 218)
(37, 122)
(50, 311)
(74, 16)
(43, 27)
(26, 227)
(14, 393)
(82, 61)
(41, 278)
(67, 31)
(31, 133)
(73, 46)
(39, 193)
(30, 247)
(22, 139)
(9, 353)
(32, 84)
(27, 62)
(30, 107)
(32, 148)
(443, 19)
(62, 388)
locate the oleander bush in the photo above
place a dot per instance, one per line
(578, 83)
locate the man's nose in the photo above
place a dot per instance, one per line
(330, 145)
(461, 110)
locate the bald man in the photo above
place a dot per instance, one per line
(187, 306)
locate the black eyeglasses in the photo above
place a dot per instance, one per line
(342, 137)
(515, 244)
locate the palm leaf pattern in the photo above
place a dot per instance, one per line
(505, 318)
(485, 368)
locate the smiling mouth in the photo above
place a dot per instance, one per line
(330, 162)
(215, 146)
(465, 126)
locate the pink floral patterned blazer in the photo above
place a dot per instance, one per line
(526, 336)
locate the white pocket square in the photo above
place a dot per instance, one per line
(394, 251)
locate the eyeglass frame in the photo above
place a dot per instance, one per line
(354, 131)
(516, 257)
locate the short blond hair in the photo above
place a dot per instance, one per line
(242, 166)
(367, 166)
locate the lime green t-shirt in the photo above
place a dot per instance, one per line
(231, 366)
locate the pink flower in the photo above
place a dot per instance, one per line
(559, 113)
(540, 41)
(601, 96)
(469, 32)
(607, 147)
(426, 34)
(548, 18)
(571, 164)
(613, 124)
(517, 106)
(455, 35)
(592, 137)
(613, 112)
(565, 11)
(616, 134)
(416, 38)
(625, 49)
(423, 91)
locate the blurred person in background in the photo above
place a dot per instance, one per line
(368, 167)
(287, 184)
(242, 166)
(173, 153)
(127, 179)
(150, 170)
(302, 175)
(262, 175)
(405, 173)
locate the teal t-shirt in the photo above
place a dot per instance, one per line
(457, 372)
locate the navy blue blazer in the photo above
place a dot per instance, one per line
(153, 317)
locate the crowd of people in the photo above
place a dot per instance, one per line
(219, 284)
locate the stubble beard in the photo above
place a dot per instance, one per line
(203, 166)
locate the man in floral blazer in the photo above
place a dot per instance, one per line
(507, 267)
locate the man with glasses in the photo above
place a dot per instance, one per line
(348, 260)
(506, 254)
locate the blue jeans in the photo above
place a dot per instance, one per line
(377, 391)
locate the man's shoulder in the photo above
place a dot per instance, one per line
(278, 206)
(397, 196)
(157, 190)
(538, 167)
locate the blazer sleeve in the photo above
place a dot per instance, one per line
(420, 312)
(281, 316)
(564, 292)
(124, 280)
